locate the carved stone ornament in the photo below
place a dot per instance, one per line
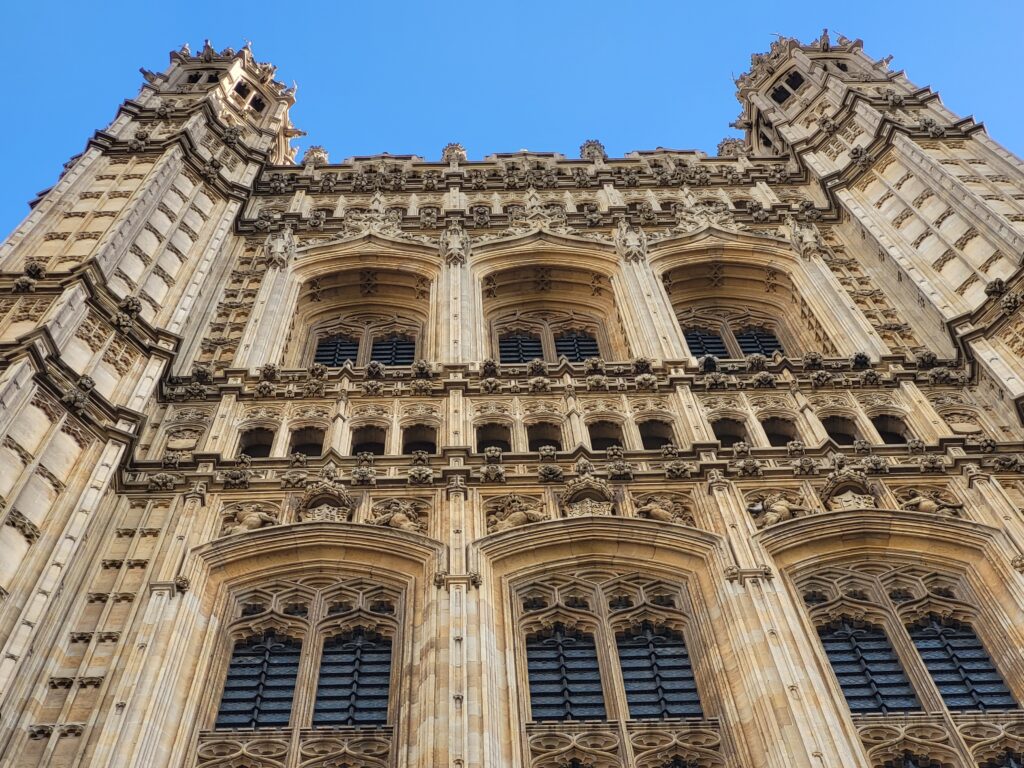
(326, 498)
(454, 244)
(847, 488)
(769, 509)
(316, 155)
(665, 508)
(630, 241)
(403, 514)
(592, 150)
(930, 501)
(511, 511)
(247, 517)
(453, 152)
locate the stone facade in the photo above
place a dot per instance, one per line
(515, 435)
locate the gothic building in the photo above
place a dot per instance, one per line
(659, 461)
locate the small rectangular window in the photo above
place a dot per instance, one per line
(794, 80)
(780, 94)
(242, 90)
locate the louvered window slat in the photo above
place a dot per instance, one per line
(960, 666)
(658, 675)
(354, 681)
(869, 673)
(703, 343)
(336, 350)
(394, 349)
(565, 680)
(576, 346)
(519, 347)
(758, 341)
(260, 683)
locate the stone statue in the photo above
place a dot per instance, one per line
(454, 243)
(776, 508)
(630, 241)
(932, 505)
(398, 513)
(512, 511)
(665, 510)
(249, 517)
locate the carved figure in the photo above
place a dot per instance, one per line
(249, 517)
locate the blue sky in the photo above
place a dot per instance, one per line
(407, 77)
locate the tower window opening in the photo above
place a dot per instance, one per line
(336, 350)
(309, 441)
(841, 430)
(394, 349)
(369, 440)
(260, 683)
(657, 673)
(544, 434)
(493, 436)
(256, 443)
(604, 435)
(780, 94)
(576, 346)
(242, 89)
(257, 104)
(564, 676)
(779, 431)
(419, 437)
(354, 681)
(654, 434)
(794, 80)
(194, 77)
(760, 341)
(729, 432)
(519, 347)
(891, 429)
(703, 343)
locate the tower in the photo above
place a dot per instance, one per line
(645, 462)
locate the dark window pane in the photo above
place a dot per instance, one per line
(758, 341)
(260, 683)
(565, 681)
(519, 347)
(703, 343)
(394, 349)
(576, 346)
(355, 676)
(960, 665)
(336, 350)
(657, 673)
(866, 665)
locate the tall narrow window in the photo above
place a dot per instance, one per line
(519, 347)
(657, 673)
(867, 667)
(758, 341)
(336, 350)
(960, 666)
(703, 343)
(565, 681)
(260, 683)
(576, 346)
(394, 349)
(355, 676)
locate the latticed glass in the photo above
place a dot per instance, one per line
(260, 683)
(565, 680)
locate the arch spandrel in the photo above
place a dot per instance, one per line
(365, 250)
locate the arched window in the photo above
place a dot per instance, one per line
(394, 349)
(841, 430)
(336, 350)
(1008, 759)
(757, 340)
(369, 440)
(891, 429)
(657, 674)
(419, 437)
(702, 342)
(355, 678)
(543, 434)
(867, 667)
(493, 436)
(565, 680)
(519, 347)
(309, 441)
(654, 434)
(910, 760)
(729, 432)
(779, 431)
(960, 666)
(576, 346)
(256, 443)
(260, 683)
(604, 434)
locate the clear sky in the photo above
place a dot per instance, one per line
(408, 77)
